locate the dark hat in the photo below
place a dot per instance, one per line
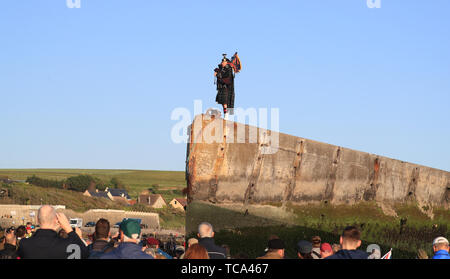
(225, 58)
(275, 244)
(304, 247)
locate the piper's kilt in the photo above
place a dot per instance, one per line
(225, 96)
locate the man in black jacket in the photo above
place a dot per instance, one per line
(350, 241)
(45, 243)
(102, 243)
(206, 239)
(9, 251)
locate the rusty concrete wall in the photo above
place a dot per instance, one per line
(301, 170)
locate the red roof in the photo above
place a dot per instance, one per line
(132, 202)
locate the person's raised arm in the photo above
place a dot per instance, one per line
(74, 236)
(63, 222)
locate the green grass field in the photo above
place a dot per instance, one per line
(168, 183)
(248, 234)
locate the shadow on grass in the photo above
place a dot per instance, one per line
(248, 234)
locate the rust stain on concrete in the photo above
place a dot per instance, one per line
(233, 169)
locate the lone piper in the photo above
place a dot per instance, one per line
(225, 81)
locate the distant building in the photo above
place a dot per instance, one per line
(178, 203)
(153, 200)
(98, 194)
(118, 193)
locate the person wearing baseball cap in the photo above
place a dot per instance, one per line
(304, 249)
(441, 248)
(374, 252)
(325, 250)
(129, 237)
(275, 249)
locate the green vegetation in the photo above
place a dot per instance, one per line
(168, 183)
(248, 234)
(135, 180)
(83, 182)
(79, 183)
(21, 193)
(46, 183)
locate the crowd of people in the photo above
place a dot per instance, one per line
(56, 239)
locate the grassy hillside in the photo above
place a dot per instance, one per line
(168, 183)
(21, 193)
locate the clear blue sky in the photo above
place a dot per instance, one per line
(95, 87)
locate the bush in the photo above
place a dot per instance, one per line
(46, 183)
(81, 183)
(116, 183)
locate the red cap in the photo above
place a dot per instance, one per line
(325, 247)
(152, 241)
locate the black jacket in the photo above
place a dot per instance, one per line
(45, 244)
(349, 254)
(127, 250)
(214, 251)
(99, 247)
(9, 252)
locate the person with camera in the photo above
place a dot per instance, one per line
(45, 243)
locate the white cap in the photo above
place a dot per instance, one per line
(372, 247)
(439, 240)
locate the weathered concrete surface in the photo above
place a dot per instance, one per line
(300, 171)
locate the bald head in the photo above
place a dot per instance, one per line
(47, 217)
(205, 230)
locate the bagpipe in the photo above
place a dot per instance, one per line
(234, 63)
